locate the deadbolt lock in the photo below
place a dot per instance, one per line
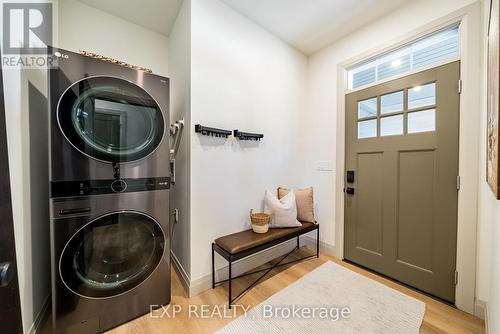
(349, 191)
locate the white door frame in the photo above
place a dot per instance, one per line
(470, 55)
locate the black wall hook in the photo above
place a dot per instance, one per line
(247, 135)
(207, 131)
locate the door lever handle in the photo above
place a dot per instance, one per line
(349, 191)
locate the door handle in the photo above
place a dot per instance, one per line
(349, 191)
(6, 274)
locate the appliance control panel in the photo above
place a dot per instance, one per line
(99, 187)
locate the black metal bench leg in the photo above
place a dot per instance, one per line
(229, 257)
(230, 281)
(213, 267)
(317, 242)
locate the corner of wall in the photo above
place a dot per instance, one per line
(179, 63)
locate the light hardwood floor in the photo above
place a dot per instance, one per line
(439, 317)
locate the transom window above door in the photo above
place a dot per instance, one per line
(431, 50)
(407, 111)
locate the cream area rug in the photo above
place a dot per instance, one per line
(332, 299)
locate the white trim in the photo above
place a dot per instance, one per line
(181, 273)
(480, 308)
(469, 19)
(324, 248)
(481, 311)
(487, 318)
(37, 325)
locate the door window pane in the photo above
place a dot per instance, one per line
(391, 102)
(422, 121)
(391, 126)
(367, 129)
(435, 48)
(422, 96)
(367, 108)
(363, 77)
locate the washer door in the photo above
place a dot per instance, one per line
(112, 254)
(110, 119)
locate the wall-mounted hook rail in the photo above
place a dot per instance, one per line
(206, 131)
(247, 135)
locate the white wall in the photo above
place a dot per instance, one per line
(489, 215)
(179, 64)
(90, 29)
(242, 78)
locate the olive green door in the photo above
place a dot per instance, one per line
(401, 190)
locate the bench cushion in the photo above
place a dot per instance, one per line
(240, 241)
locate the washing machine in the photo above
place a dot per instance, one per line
(109, 192)
(110, 259)
(107, 122)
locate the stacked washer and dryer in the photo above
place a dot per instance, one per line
(109, 175)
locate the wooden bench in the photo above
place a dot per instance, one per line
(239, 245)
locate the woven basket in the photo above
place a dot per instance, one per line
(260, 222)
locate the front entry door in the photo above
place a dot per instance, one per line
(401, 192)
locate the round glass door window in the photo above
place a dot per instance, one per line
(110, 119)
(112, 254)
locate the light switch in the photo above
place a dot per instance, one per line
(324, 165)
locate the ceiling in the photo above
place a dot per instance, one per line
(307, 25)
(310, 25)
(156, 15)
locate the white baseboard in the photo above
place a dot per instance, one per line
(323, 246)
(37, 325)
(486, 318)
(181, 273)
(481, 311)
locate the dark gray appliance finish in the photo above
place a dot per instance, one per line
(109, 206)
(107, 121)
(111, 259)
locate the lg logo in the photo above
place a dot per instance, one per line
(61, 55)
(27, 27)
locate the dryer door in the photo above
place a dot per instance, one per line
(110, 119)
(112, 254)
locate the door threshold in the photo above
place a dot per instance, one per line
(444, 301)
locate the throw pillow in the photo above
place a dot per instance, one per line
(283, 212)
(305, 203)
